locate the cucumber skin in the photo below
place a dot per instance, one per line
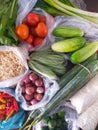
(84, 53)
(67, 32)
(69, 45)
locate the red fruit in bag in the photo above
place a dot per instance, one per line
(37, 41)
(30, 39)
(33, 19)
(41, 29)
(22, 31)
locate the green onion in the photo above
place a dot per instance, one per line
(73, 11)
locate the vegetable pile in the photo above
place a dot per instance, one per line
(55, 122)
(69, 47)
(48, 63)
(8, 106)
(33, 30)
(67, 8)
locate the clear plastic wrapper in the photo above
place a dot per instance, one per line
(49, 22)
(71, 116)
(90, 31)
(51, 87)
(86, 123)
(85, 102)
(15, 121)
(21, 56)
(24, 8)
(80, 3)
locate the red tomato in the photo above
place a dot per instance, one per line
(41, 29)
(22, 31)
(33, 32)
(42, 18)
(30, 39)
(37, 41)
(33, 19)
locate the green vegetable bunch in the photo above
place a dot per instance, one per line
(8, 15)
(67, 8)
(55, 122)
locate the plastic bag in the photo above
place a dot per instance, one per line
(71, 115)
(49, 23)
(22, 55)
(51, 87)
(24, 8)
(90, 31)
(80, 3)
(16, 120)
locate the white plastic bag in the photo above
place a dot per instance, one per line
(49, 22)
(25, 6)
(51, 87)
(80, 3)
(22, 56)
(90, 31)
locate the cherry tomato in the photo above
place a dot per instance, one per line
(22, 31)
(26, 22)
(37, 41)
(30, 39)
(42, 18)
(41, 29)
(33, 19)
(33, 32)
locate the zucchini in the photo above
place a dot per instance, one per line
(49, 59)
(69, 45)
(84, 53)
(43, 70)
(67, 32)
(78, 81)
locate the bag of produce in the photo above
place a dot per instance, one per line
(11, 115)
(85, 102)
(36, 33)
(35, 91)
(54, 122)
(13, 65)
(61, 21)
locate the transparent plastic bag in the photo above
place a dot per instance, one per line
(27, 7)
(16, 120)
(22, 56)
(51, 87)
(90, 31)
(49, 23)
(24, 8)
(80, 3)
(71, 115)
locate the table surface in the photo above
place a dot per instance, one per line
(92, 5)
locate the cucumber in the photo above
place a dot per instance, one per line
(67, 32)
(84, 53)
(69, 89)
(69, 45)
